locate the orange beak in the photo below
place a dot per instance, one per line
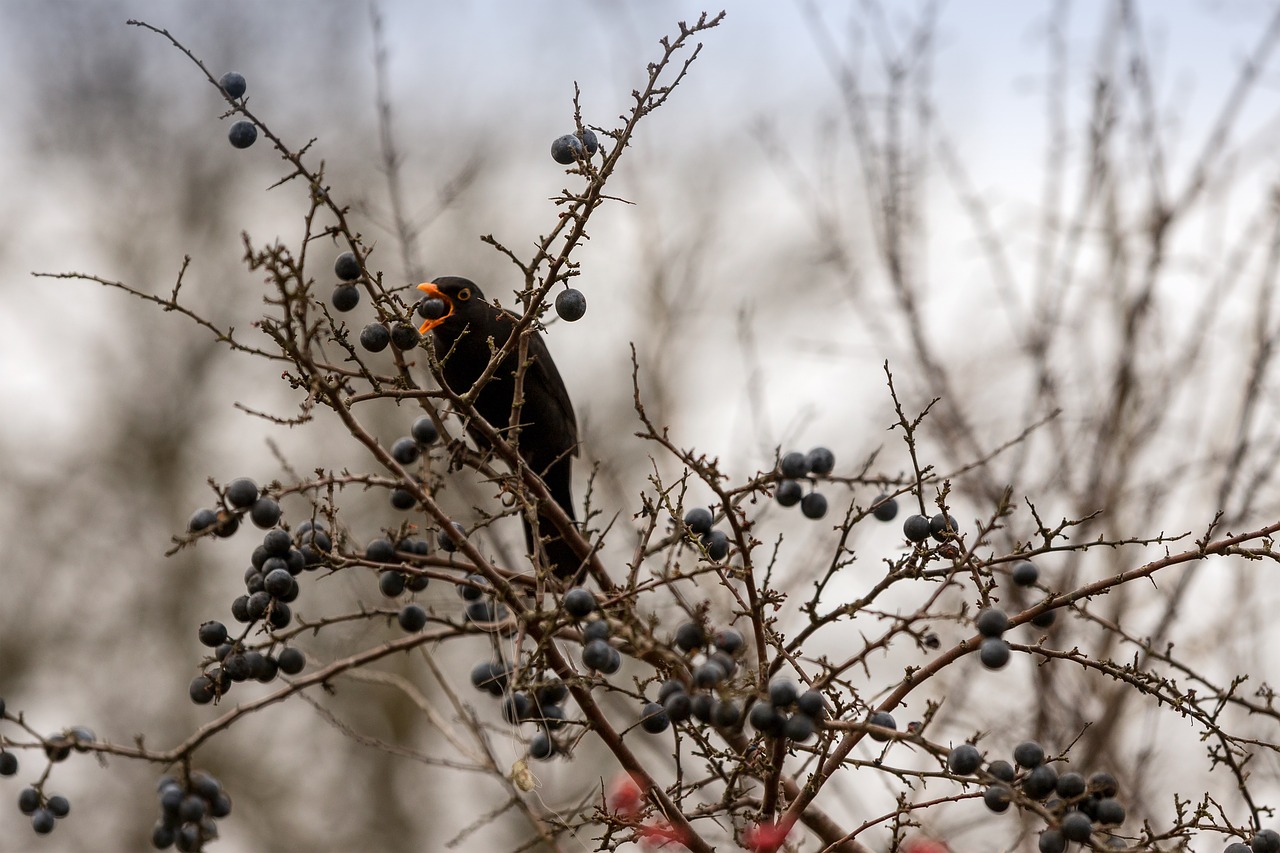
(434, 292)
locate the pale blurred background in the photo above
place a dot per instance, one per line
(748, 273)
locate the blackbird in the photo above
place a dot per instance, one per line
(467, 334)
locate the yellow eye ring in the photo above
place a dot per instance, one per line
(464, 294)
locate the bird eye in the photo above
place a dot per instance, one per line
(464, 294)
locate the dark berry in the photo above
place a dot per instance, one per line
(943, 527)
(653, 718)
(192, 809)
(375, 337)
(431, 308)
(571, 305)
(578, 602)
(1045, 619)
(220, 805)
(782, 692)
(345, 297)
(380, 550)
(552, 693)
(240, 609)
(812, 703)
(42, 821)
(708, 674)
(1071, 785)
(729, 641)
(291, 661)
(814, 505)
(278, 583)
(679, 707)
(391, 584)
(997, 798)
(202, 519)
(820, 461)
(669, 688)
(1265, 841)
(690, 636)
(566, 149)
(994, 653)
(992, 622)
(589, 140)
(276, 543)
(793, 466)
(1076, 826)
(233, 84)
(57, 747)
(596, 630)
(916, 528)
(1237, 848)
(542, 747)
(765, 719)
(1040, 782)
(404, 336)
(412, 618)
(1025, 573)
(265, 512)
(213, 634)
(788, 493)
(1028, 754)
(162, 836)
(490, 676)
(596, 655)
(704, 706)
(406, 451)
(402, 499)
(228, 524)
(885, 508)
(799, 727)
(8, 764)
(258, 604)
(726, 714)
(243, 134)
(1052, 841)
(202, 690)
(1104, 785)
(59, 805)
(698, 520)
(1112, 813)
(475, 588)
(717, 545)
(28, 800)
(884, 720)
(964, 759)
(279, 616)
(424, 431)
(445, 541)
(1002, 770)
(242, 492)
(347, 266)
(484, 612)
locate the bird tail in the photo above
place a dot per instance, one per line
(562, 559)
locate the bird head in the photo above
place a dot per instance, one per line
(458, 294)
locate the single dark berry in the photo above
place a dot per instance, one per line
(1111, 813)
(725, 661)
(597, 629)
(943, 527)
(992, 622)
(242, 492)
(445, 541)
(1104, 785)
(884, 720)
(782, 692)
(1052, 841)
(213, 634)
(820, 461)
(404, 336)
(375, 337)
(242, 134)
(1040, 782)
(1076, 826)
(814, 505)
(566, 149)
(726, 714)
(788, 493)
(614, 663)
(717, 544)
(220, 805)
(42, 821)
(424, 431)
(571, 305)
(1264, 841)
(490, 676)
(412, 618)
(345, 297)
(202, 690)
(476, 587)
(679, 707)
(291, 661)
(265, 512)
(8, 764)
(654, 719)
(729, 641)
(391, 584)
(484, 612)
(192, 809)
(589, 140)
(916, 528)
(578, 602)
(59, 805)
(162, 836)
(380, 550)
(799, 727)
(278, 583)
(276, 543)
(240, 609)
(690, 636)
(964, 759)
(1028, 754)
(552, 693)
(347, 266)
(766, 719)
(28, 800)
(793, 466)
(1002, 770)
(994, 653)
(431, 308)
(699, 521)
(669, 688)
(708, 674)
(416, 582)
(1071, 785)
(406, 451)
(1025, 573)
(258, 604)
(596, 655)
(233, 84)
(542, 747)
(402, 499)
(1045, 619)
(812, 704)
(202, 519)
(704, 705)
(885, 508)
(228, 523)
(997, 798)
(280, 615)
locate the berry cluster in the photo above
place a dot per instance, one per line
(788, 712)
(698, 521)
(796, 466)
(572, 147)
(1079, 807)
(942, 527)
(188, 811)
(407, 450)
(243, 133)
(240, 498)
(43, 811)
(476, 592)
(1263, 841)
(711, 700)
(346, 295)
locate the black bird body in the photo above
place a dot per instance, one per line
(466, 337)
